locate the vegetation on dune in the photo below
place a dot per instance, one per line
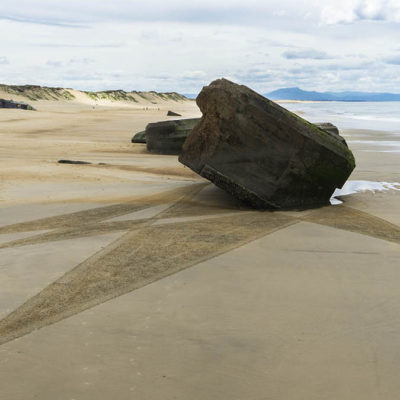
(140, 94)
(35, 93)
(121, 95)
(112, 95)
(174, 96)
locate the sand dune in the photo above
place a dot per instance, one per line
(51, 98)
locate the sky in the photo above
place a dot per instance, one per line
(182, 45)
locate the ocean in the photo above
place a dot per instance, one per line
(381, 116)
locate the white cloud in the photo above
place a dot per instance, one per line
(77, 60)
(76, 13)
(309, 54)
(340, 12)
(279, 13)
(53, 63)
(72, 61)
(395, 60)
(3, 60)
(195, 75)
(349, 11)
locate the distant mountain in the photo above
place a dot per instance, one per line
(296, 93)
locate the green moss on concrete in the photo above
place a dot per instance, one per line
(325, 136)
(327, 173)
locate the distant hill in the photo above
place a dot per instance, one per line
(36, 93)
(296, 93)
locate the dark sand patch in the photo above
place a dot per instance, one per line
(350, 219)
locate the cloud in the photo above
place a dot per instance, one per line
(3, 60)
(72, 61)
(77, 60)
(350, 11)
(42, 21)
(306, 54)
(78, 14)
(81, 14)
(81, 45)
(374, 10)
(338, 14)
(255, 75)
(395, 60)
(194, 75)
(333, 67)
(54, 64)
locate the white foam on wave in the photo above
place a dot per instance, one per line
(393, 146)
(380, 151)
(388, 143)
(379, 116)
(372, 118)
(352, 187)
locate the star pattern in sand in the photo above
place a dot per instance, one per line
(185, 233)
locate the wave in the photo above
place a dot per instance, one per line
(352, 187)
(375, 116)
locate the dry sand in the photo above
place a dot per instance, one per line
(97, 299)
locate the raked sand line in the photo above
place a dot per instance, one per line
(102, 219)
(78, 219)
(83, 231)
(100, 228)
(99, 220)
(350, 219)
(132, 262)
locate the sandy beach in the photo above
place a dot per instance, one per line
(132, 277)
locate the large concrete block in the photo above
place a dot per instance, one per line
(262, 153)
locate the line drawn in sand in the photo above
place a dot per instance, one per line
(180, 240)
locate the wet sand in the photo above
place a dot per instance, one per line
(138, 279)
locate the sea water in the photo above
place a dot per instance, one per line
(380, 116)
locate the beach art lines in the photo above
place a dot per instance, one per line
(182, 233)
